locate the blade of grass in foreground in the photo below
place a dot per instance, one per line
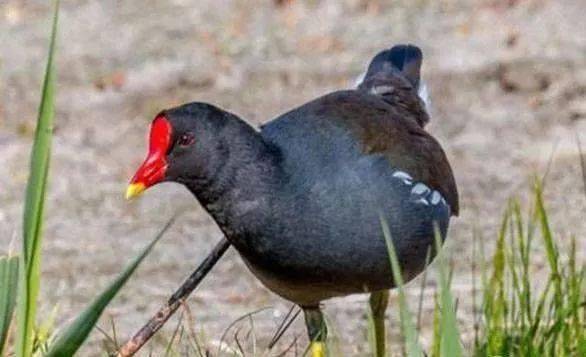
(70, 339)
(412, 347)
(29, 275)
(495, 299)
(450, 336)
(8, 286)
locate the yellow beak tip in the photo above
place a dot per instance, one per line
(134, 190)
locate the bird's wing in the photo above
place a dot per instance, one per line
(377, 127)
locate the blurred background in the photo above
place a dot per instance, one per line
(508, 86)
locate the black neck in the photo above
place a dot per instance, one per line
(241, 188)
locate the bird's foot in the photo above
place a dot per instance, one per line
(318, 349)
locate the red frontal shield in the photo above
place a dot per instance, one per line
(153, 168)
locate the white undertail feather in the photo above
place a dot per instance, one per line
(423, 93)
(359, 80)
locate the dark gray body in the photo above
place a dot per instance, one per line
(321, 236)
(302, 200)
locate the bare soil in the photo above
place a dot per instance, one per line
(508, 85)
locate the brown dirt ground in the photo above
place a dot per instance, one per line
(508, 84)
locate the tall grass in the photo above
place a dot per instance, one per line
(412, 346)
(8, 288)
(523, 316)
(446, 336)
(520, 316)
(30, 258)
(22, 273)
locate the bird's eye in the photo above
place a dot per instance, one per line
(186, 140)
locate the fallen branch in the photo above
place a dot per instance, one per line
(159, 319)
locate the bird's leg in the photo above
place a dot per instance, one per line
(316, 329)
(378, 305)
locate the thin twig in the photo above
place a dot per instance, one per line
(284, 326)
(190, 325)
(280, 326)
(173, 336)
(233, 323)
(114, 334)
(159, 319)
(109, 339)
(238, 344)
(291, 345)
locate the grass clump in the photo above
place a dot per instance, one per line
(525, 316)
(519, 315)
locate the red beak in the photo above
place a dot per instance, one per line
(152, 170)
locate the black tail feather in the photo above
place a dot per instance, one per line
(394, 75)
(406, 59)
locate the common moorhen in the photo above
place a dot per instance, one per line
(301, 199)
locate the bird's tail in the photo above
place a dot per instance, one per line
(401, 61)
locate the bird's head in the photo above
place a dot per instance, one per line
(185, 144)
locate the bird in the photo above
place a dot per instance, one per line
(302, 197)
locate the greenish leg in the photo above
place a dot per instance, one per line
(378, 305)
(316, 329)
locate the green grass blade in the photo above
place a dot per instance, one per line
(526, 319)
(34, 204)
(450, 336)
(69, 340)
(8, 288)
(407, 325)
(437, 335)
(551, 249)
(494, 293)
